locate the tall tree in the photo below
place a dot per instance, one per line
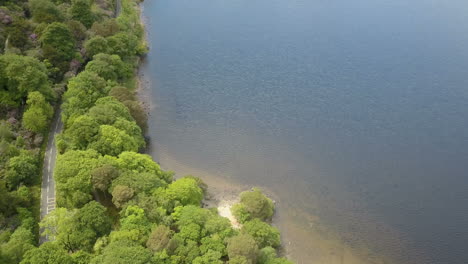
(58, 45)
(44, 11)
(109, 67)
(38, 113)
(81, 10)
(243, 246)
(83, 91)
(47, 253)
(20, 75)
(21, 169)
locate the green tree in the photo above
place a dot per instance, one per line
(44, 11)
(20, 242)
(58, 45)
(18, 32)
(123, 252)
(138, 113)
(47, 253)
(253, 204)
(113, 141)
(73, 176)
(139, 182)
(5, 131)
(135, 222)
(38, 113)
(109, 67)
(122, 94)
(96, 45)
(264, 234)
(210, 257)
(82, 132)
(78, 30)
(102, 177)
(106, 28)
(83, 91)
(20, 75)
(140, 163)
(243, 245)
(77, 229)
(159, 238)
(123, 44)
(268, 256)
(121, 194)
(186, 191)
(213, 243)
(108, 110)
(21, 169)
(94, 216)
(81, 10)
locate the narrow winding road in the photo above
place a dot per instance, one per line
(50, 156)
(48, 183)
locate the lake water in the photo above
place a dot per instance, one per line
(353, 115)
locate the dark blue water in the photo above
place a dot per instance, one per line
(352, 111)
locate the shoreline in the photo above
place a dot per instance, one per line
(328, 247)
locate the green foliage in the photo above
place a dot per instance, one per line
(106, 28)
(38, 113)
(17, 33)
(123, 252)
(109, 67)
(213, 243)
(83, 91)
(268, 256)
(73, 176)
(134, 220)
(137, 112)
(185, 191)
(113, 141)
(211, 257)
(253, 204)
(137, 162)
(77, 229)
(102, 177)
(47, 253)
(20, 242)
(78, 29)
(6, 132)
(82, 132)
(159, 238)
(139, 182)
(121, 194)
(122, 94)
(80, 10)
(20, 75)
(96, 45)
(117, 131)
(21, 169)
(108, 110)
(44, 11)
(264, 234)
(243, 245)
(123, 44)
(187, 252)
(58, 45)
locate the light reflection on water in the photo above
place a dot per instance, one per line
(353, 114)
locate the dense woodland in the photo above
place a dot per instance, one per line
(114, 204)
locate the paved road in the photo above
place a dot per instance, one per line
(48, 183)
(118, 8)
